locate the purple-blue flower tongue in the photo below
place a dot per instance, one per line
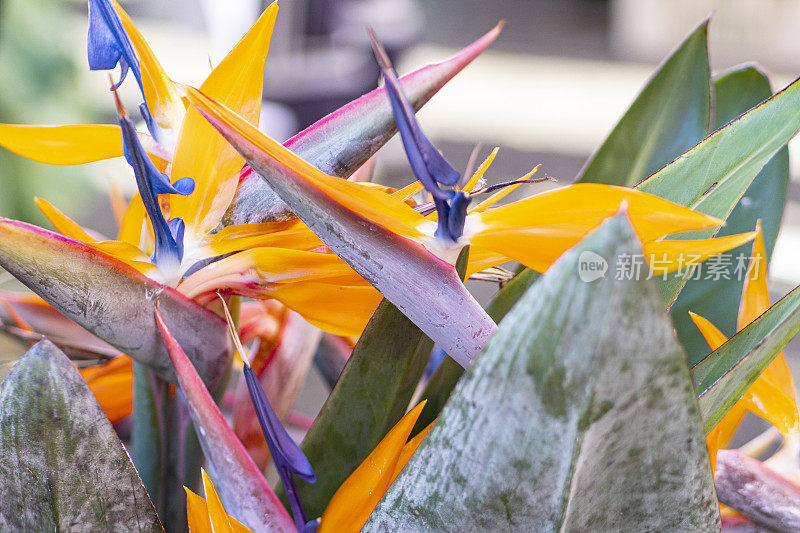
(168, 238)
(108, 44)
(429, 165)
(288, 457)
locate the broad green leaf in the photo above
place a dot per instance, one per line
(578, 416)
(444, 379)
(61, 464)
(725, 374)
(716, 300)
(713, 175)
(341, 142)
(669, 116)
(114, 301)
(164, 449)
(371, 395)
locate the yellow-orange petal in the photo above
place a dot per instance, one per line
(755, 295)
(469, 185)
(772, 396)
(112, 385)
(722, 433)
(356, 498)
(62, 223)
(123, 251)
(336, 308)
(584, 206)
(386, 210)
(672, 255)
(162, 99)
(133, 228)
(713, 336)
(410, 449)
(408, 191)
(480, 259)
(216, 512)
(197, 513)
(537, 230)
(63, 145)
(201, 153)
(235, 238)
(260, 267)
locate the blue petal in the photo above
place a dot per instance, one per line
(151, 183)
(154, 129)
(437, 356)
(284, 450)
(288, 457)
(428, 163)
(183, 186)
(457, 215)
(108, 44)
(176, 229)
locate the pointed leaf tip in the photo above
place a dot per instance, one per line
(361, 127)
(243, 489)
(60, 458)
(402, 270)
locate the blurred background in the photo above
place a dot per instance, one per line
(548, 91)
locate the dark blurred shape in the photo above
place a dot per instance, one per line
(329, 62)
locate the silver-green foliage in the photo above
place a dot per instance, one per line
(579, 415)
(61, 464)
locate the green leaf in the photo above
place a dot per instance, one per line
(61, 464)
(669, 116)
(723, 376)
(712, 176)
(578, 416)
(444, 379)
(163, 448)
(146, 433)
(734, 93)
(371, 395)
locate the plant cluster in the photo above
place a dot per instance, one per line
(588, 395)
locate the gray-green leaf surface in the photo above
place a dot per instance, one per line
(579, 416)
(712, 176)
(62, 467)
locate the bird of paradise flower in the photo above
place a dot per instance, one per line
(408, 256)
